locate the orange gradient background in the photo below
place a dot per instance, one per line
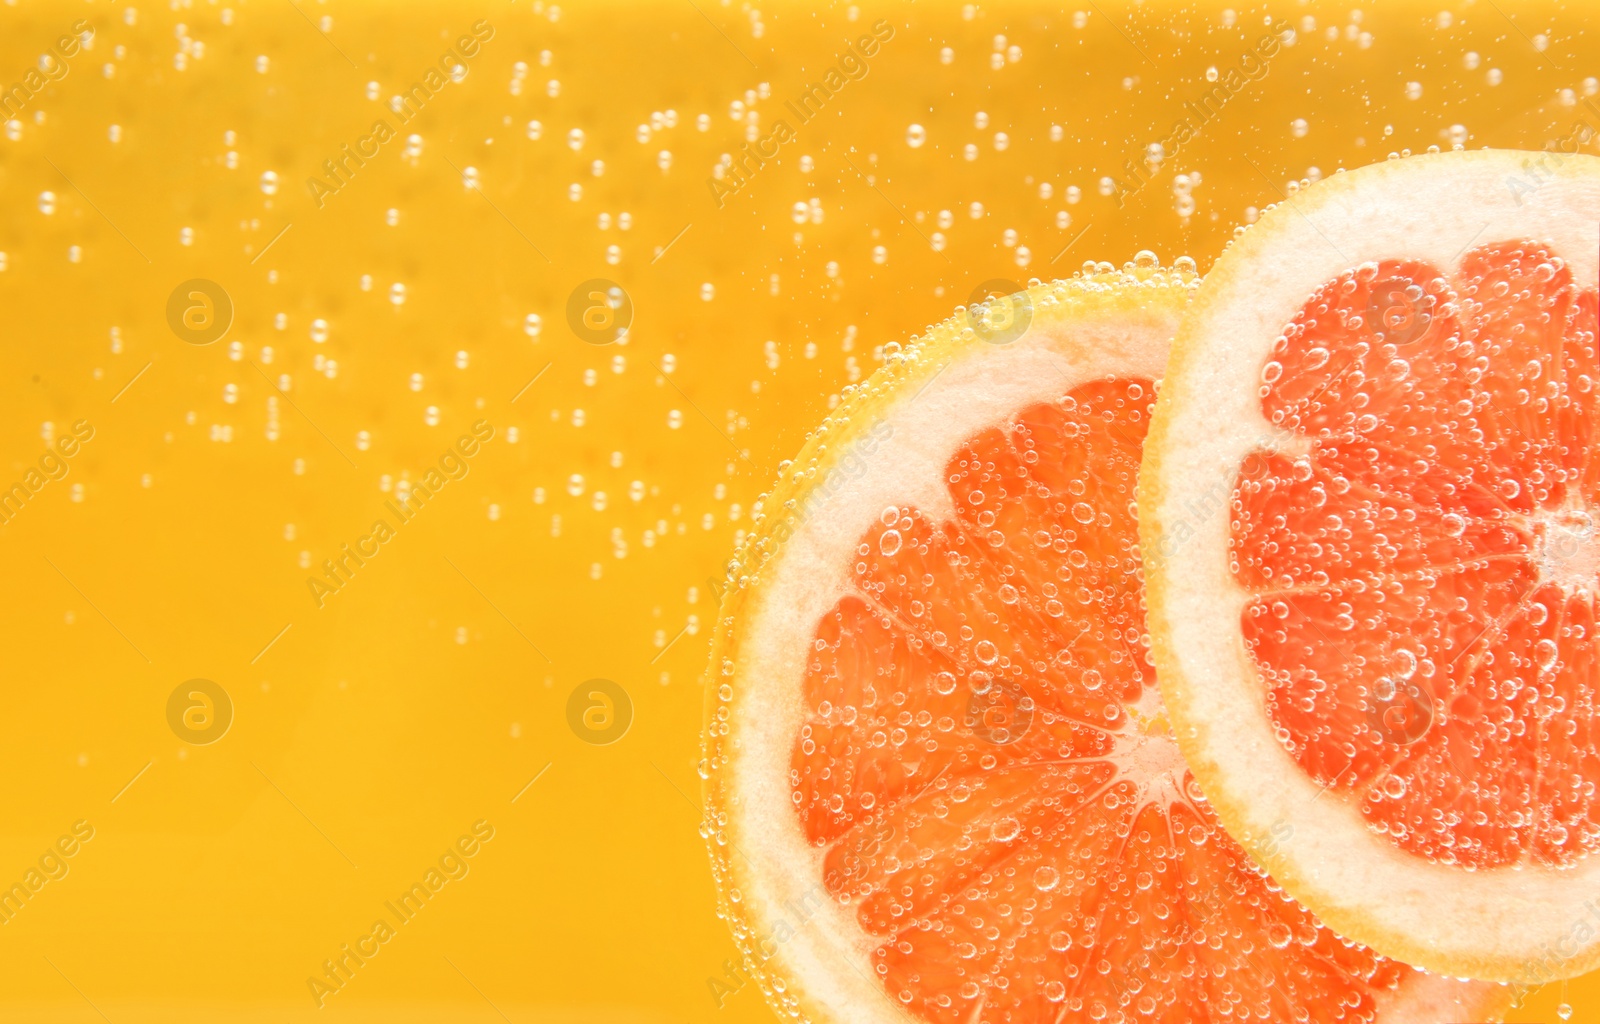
(584, 539)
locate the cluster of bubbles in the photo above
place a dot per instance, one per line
(1424, 564)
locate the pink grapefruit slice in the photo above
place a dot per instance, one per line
(1368, 510)
(940, 782)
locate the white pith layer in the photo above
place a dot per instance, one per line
(1505, 923)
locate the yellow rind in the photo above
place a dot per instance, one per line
(1236, 264)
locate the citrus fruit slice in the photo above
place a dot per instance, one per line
(940, 783)
(1367, 506)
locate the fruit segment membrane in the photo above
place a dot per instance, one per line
(987, 773)
(1421, 555)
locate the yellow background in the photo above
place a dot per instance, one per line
(427, 693)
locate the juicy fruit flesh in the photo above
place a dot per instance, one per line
(986, 767)
(1421, 553)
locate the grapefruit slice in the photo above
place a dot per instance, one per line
(1368, 510)
(940, 784)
